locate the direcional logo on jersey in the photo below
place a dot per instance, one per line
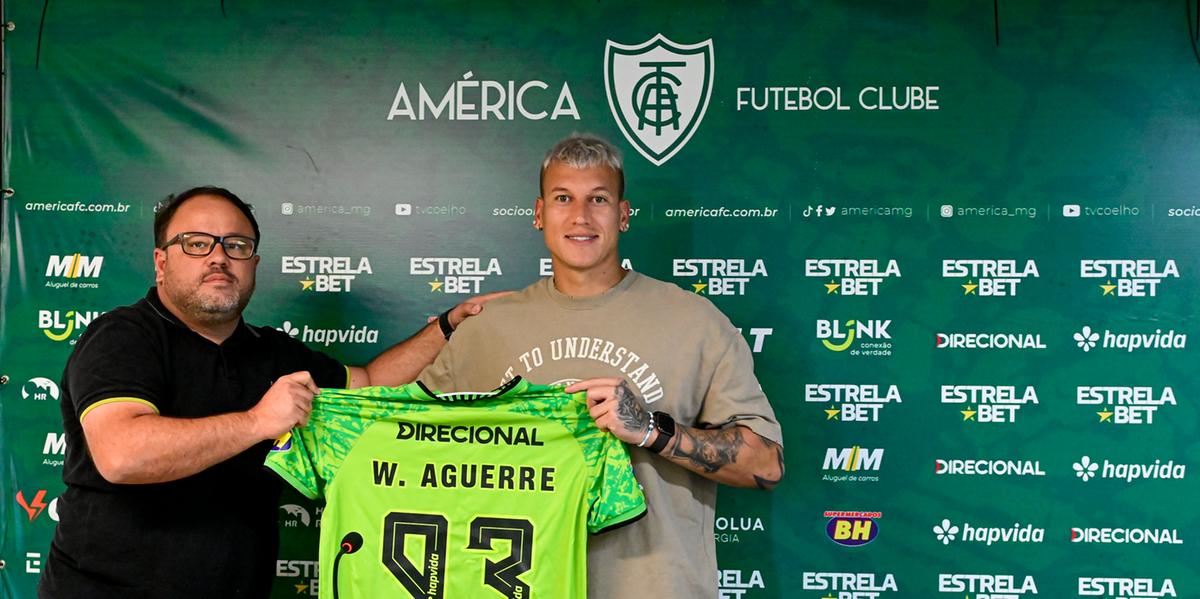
(989, 403)
(852, 529)
(852, 403)
(39, 389)
(719, 276)
(324, 274)
(856, 337)
(60, 325)
(1128, 278)
(856, 585)
(987, 586)
(851, 277)
(1126, 588)
(1125, 405)
(454, 275)
(990, 277)
(73, 267)
(658, 92)
(854, 461)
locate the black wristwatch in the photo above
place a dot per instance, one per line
(665, 425)
(444, 324)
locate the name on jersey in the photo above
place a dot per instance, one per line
(458, 433)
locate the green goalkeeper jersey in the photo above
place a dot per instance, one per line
(458, 495)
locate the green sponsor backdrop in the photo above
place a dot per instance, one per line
(1092, 104)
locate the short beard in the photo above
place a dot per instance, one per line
(210, 308)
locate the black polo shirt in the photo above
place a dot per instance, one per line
(210, 535)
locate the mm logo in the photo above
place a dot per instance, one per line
(658, 92)
(852, 529)
(74, 266)
(834, 338)
(852, 459)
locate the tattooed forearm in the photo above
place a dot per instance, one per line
(767, 483)
(709, 450)
(629, 410)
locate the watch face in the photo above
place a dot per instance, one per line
(664, 423)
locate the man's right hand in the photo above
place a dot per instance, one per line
(285, 405)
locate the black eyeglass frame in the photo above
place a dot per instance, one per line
(180, 238)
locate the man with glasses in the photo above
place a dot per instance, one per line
(169, 408)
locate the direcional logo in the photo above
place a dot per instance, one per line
(73, 267)
(1128, 278)
(325, 274)
(1125, 405)
(989, 341)
(856, 585)
(1126, 588)
(852, 529)
(987, 586)
(59, 325)
(851, 277)
(989, 277)
(989, 403)
(852, 403)
(658, 92)
(454, 275)
(871, 336)
(39, 389)
(988, 467)
(719, 276)
(1132, 536)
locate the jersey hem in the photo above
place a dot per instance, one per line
(623, 520)
(296, 483)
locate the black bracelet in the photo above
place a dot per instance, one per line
(444, 324)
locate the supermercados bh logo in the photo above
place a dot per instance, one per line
(989, 403)
(851, 277)
(39, 389)
(1126, 588)
(658, 92)
(1128, 278)
(1125, 405)
(74, 271)
(989, 277)
(325, 274)
(355, 334)
(719, 276)
(1085, 469)
(305, 572)
(471, 99)
(1130, 536)
(1018, 341)
(852, 529)
(947, 532)
(734, 584)
(454, 275)
(849, 585)
(1088, 339)
(856, 337)
(730, 529)
(856, 463)
(977, 467)
(987, 586)
(852, 403)
(64, 325)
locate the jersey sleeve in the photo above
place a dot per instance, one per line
(734, 396)
(115, 361)
(615, 497)
(290, 459)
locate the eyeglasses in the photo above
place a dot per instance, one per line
(202, 244)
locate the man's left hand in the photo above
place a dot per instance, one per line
(615, 407)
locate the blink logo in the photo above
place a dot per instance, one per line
(989, 341)
(355, 334)
(735, 583)
(852, 529)
(988, 467)
(852, 403)
(987, 586)
(59, 325)
(989, 403)
(73, 267)
(1132, 536)
(658, 92)
(39, 389)
(1128, 278)
(323, 274)
(454, 275)
(1087, 340)
(718, 276)
(947, 533)
(480, 100)
(871, 335)
(989, 277)
(1125, 405)
(1085, 469)
(849, 585)
(851, 277)
(1126, 588)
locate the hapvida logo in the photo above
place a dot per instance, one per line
(327, 337)
(1087, 340)
(1086, 469)
(947, 533)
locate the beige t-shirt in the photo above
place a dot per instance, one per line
(680, 354)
